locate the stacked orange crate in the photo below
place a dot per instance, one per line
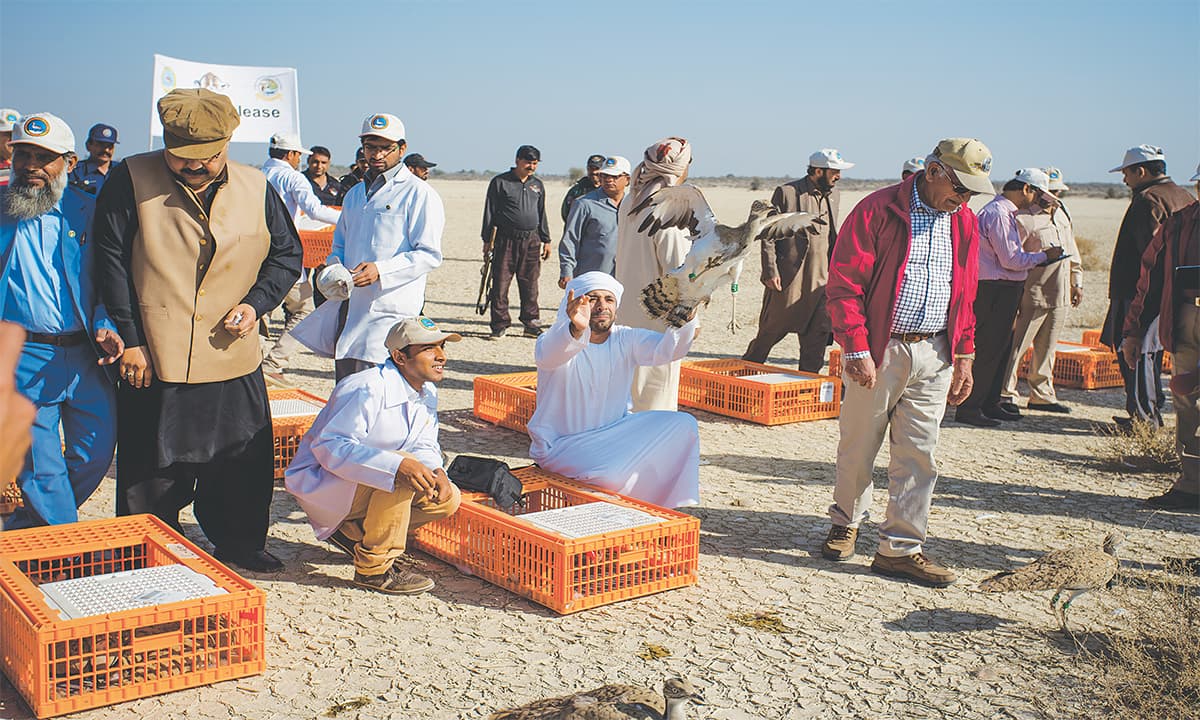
(1092, 337)
(1080, 366)
(758, 393)
(290, 428)
(317, 244)
(506, 400)
(64, 666)
(566, 574)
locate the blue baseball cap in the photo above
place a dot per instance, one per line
(103, 133)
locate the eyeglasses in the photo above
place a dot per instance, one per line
(377, 150)
(957, 187)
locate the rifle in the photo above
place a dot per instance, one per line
(485, 279)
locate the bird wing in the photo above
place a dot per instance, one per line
(789, 225)
(1070, 568)
(680, 206)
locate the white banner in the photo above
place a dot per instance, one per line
(265, 97)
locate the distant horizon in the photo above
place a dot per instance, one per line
(755, 86)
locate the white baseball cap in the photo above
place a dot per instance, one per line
(289, 142)
(8, 118)
(1035, 177)
(1196, 177)
(383, 125)
(829, 158)
(45, 131)
(916, 164)
(1140, 154)
(1056, 179)
(615, 165)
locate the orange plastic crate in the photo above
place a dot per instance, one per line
(1080, 366)
(564, 574)
(723, 387)
(835, 361)
(64, 666)
(288, 431)
(506, 400)
(1092, 337)
(317, 245)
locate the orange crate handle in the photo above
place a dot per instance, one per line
(168, 638)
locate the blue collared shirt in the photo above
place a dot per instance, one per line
(589, 240)
(88, 178)
(38, 297)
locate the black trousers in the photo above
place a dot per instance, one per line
(517, 255)
(1144, 395)
(230, 495)
(996, 305)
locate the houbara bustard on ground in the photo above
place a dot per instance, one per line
(717, 250)
(611, 702)
(1078, 570)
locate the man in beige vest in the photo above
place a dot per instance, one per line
(795, 271)
(191, 250)
(1049, 293)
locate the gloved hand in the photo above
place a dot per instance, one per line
(335, 282)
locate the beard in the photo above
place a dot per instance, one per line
(600, 324)
(25, 202)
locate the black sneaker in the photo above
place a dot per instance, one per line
(259, 561)
(532, 331)
(497, 334)
(1050, 408)
(396, 581)
(975, 419)
(339, 540)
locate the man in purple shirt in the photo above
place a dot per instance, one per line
(1003, 266)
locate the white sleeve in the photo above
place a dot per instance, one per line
(306, 199)
(340, 444)
(654, 348)
(555, 347)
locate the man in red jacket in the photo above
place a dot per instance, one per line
(902, 282)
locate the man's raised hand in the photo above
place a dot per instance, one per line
(579, 312)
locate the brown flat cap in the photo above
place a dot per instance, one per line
(197, 123)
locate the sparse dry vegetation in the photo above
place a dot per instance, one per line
(1151, 669)
(1089, 253)
(1145, 447)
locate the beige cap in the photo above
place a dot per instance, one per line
(417, 331)
(970, 160)
(197, 123)
(1056, 179)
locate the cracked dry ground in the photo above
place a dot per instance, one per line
(848, 643)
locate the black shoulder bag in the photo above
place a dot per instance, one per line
(486, 475)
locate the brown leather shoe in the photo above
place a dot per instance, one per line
(840, 543)
(918, 568)
(396, 581)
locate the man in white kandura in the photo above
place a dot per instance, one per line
(582, 427)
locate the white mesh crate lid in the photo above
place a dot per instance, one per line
(293, 407)
(774, 378)
(1061, 348)
(127, 590)
(594, 518)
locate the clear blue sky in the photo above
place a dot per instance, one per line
(756, 86)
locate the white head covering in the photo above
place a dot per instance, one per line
(584, 284)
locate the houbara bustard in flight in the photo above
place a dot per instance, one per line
(1077, 570)
(610, 702)
(717, 250)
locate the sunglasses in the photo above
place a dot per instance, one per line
(955, 185)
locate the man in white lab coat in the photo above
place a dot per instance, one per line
(583, 428)
(389, 237)
(283, 173)
(369, 471)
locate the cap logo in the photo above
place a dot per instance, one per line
(985, 166)
(36, 127)
(427, 324)
(11, 117)
(106, 132)
(1054, 175)
(379, 122)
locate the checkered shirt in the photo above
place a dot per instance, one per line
(923, 301)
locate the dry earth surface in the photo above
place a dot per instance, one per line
(854, 644)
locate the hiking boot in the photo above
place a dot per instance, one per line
(532, 331)
(396, 581)
(339, 540)
(497, 333)
(840, 543)
(918, 568)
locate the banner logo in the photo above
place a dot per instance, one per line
(167, 79)
(268, 88)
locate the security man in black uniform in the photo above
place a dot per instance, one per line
(516, 236)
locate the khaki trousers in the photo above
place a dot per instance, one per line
(297, 304)
(908, 402)
(380, 522)
(1039, 327)
(1187, 405)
